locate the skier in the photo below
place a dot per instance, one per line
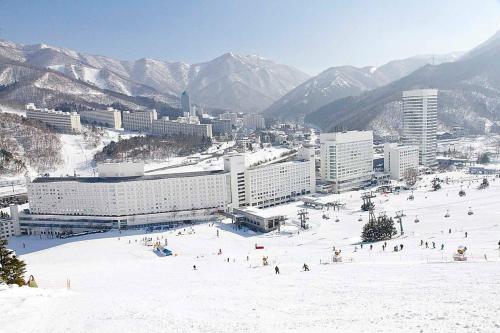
(400, 247)
(442, 247)
(466, 234)
(276, 270)
(449, 231)
(433, 245)
(371, 247)
(499, 244)
(361, 245)
(217, 232)
(426, 245)
(421, 242)
(194, 267)
(396, 248)
(306, 268)
(220, 252)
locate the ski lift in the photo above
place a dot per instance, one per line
(416, 219)
(461, 192)
(447, 213)
(470, 212)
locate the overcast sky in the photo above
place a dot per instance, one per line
(311, 35)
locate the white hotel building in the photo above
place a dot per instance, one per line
(183, 126)
(399, 159)
(109, 118)
(123, 197)
(66, 122)
(347, 159)
(140, 121)
(420, 123)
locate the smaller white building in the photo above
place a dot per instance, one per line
(66, 122)
(109, 118)
(399, 159)
(10, 226)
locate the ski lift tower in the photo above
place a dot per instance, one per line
(367, 201)
(399, 217)
(303, 217)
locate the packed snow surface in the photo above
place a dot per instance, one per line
(119, 285)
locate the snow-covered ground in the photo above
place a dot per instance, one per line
(119, 285)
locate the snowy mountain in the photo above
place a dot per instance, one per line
(240, 83)
(469, 96)
(339, 82)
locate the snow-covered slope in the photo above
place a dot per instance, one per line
(118, 284)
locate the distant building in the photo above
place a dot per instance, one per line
(254, 121)
(185, 103)
(140, 121)
(182, 127)
(66, 122)
(399, 159)
(232, 116)
(347, 159)
(221, 126)
(10, 226)
(108, 118)
(258, 219)
(420, 123)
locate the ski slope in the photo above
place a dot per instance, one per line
(119, 285)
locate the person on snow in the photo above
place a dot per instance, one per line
(433, 245)
(194, 267)
(421, 242)
(400, 247)
(426, 245)
(276, 270)
(466, 234)
(305, 267)
(442, 247)
(371, 247)
(31, 282)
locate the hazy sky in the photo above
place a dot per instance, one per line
(311, 35)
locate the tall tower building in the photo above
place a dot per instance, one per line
(185, 104)
(347, 159)
(420, 123)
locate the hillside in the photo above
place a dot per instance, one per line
(469, 96)
(339, 82)
(234, 82)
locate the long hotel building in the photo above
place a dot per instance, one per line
(66, 122)
(122, 196)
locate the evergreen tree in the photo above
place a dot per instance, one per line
(12, 269)
(379, 229)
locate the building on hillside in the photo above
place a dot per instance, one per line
(174, 128)
(254, 121)
(185, 103)
(66, 122)
(420, 123)
(347, 159)
(399, 159)
(108, 118)
(273, 184)
(140, 121)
